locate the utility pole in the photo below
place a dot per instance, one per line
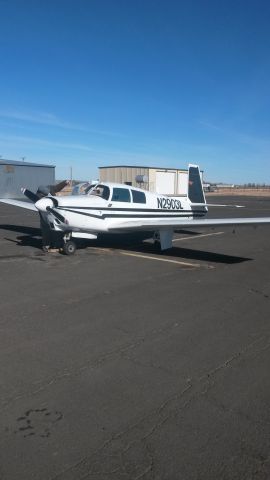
(71, 178)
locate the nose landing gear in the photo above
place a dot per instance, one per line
(69, 246)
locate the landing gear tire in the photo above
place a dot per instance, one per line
(69, 248)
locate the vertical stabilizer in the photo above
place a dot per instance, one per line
(195, 188)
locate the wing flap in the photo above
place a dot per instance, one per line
(153, 224)
(215, 205)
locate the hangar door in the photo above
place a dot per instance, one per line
(182, 183)
(165, 182)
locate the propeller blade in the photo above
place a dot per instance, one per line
(57, 188)
(30, 195)
(56, 214)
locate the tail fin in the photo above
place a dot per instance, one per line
(195, 188)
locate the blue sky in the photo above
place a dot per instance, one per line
(88, 83)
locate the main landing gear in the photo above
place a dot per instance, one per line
(69, 246)
(156, 239)
(163, 238)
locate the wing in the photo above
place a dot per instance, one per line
(19, 203)
(174, 223)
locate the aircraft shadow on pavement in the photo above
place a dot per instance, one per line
(129, 242)
(27, 239)
(33, 231)
(140, 246)
(209, 257)
(191, 254)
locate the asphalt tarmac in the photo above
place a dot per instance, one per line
(122, 363)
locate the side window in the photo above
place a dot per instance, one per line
(120, 195)
(138, 197)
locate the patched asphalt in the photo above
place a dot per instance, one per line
(124, 363)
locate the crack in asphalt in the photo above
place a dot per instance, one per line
(144, 428)
(119, 351)
(258, 292)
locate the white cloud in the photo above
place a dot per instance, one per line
(108, 155)
(245, 139)
(38, 142)
(50, 119)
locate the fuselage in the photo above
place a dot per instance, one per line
(111, 206)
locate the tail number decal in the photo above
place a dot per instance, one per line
(169, 204)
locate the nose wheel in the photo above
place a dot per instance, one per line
(69, 247)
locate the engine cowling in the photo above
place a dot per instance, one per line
(45, 202)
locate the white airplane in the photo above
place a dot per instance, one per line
(117, 208)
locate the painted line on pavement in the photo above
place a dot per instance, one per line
(147, 257)
(196, 236)
(100, 249)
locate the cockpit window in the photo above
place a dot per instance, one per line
(101, 191)
(138, 197)
(121, 195)
(89, 188)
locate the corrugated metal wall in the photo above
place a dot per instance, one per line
(14, 177)
(123, 174)
(120, 174)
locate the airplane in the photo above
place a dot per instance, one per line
(117, 208)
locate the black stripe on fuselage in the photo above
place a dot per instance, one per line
(123, 209)
(170, 214)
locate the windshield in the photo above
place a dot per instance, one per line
(89, 188)
(101, 191)
(79, 189)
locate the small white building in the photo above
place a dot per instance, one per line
(16, 174)
(169, 181)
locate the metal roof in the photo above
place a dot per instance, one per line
(23, 164)
(145, 166)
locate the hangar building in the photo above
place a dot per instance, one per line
(169, 181)
(16, 174)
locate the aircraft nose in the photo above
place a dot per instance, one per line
(43, 203)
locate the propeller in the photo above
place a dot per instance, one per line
(57, 188)
(44, 191)
(30, 195)
(56, 214)
(50, 204)
(45, 201)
